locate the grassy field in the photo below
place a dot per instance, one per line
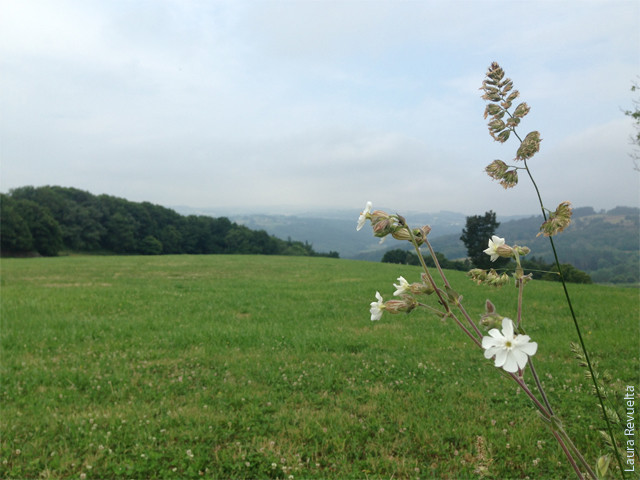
(269, 367)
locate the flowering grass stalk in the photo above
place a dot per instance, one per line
(509, 346)
(499, 94)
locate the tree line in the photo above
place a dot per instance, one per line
(51, 219)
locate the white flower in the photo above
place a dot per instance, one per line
(494, 243)
(403, 287)
(376, 308)
(511, 351)
(363, 216)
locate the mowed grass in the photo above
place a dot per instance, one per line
(269, 367)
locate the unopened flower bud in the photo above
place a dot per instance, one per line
(522, 250)
(396, 306)
(478, 275)
(379, 215)
(491, 320)
(504, 251)
(382, 228)
(401, 233)
(421, 288)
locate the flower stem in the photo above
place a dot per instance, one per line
(443, 302)
(446, 282)
(539, 386)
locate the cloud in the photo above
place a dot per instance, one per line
(236, 103)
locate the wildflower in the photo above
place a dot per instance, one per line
(376, 308)
(511, 350)
(364, 215)
(494, 243)
(403, 287)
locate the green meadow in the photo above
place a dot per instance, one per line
(269, 367)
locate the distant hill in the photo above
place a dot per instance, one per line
(336, 231)
(604, 244)
(51, 219)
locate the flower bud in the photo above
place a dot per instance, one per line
(504, 251)
(379, 215)
(401, 233)
(491, 320)
(478, 275)
(382, 228)
(421, 288)
(396, 306)
(522, 250)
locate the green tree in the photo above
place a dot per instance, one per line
(400, 256)
(15, 236)
(46, 232)
(476, 235)
(570, 273)
(120, 236)
(150, 245)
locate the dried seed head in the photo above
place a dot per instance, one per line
(521, 110)
(557, 221)
(530, 146)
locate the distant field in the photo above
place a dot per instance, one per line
(269, 367)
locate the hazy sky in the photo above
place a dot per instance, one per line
(304, 104)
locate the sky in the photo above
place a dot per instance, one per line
(282, 106)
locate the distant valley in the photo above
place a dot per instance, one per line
(604, 244)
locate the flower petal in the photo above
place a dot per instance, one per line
(520, 358)
(530, 348)
(507, 328)
(510, 365)
(501, 357)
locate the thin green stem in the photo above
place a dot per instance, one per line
(520, 295)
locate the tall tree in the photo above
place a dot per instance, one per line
(476, 235)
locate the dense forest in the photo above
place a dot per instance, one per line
(49, 220)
